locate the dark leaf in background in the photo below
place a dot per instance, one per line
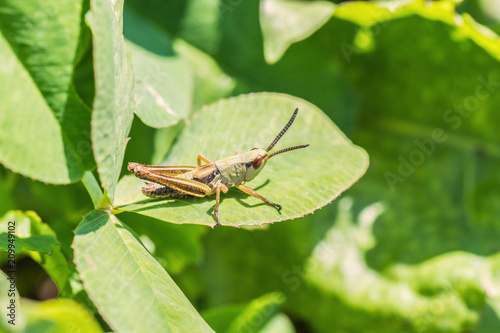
(41, 107)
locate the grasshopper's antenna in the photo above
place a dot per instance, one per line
(286, 149)
(282, 132)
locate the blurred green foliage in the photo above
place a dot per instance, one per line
(412, 247)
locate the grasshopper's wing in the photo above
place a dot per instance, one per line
(169, 170)
(205, 172)
(187, 186)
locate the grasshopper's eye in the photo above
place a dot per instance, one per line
(257, 162)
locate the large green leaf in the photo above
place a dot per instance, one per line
(163, 81)
(130, 289)
(114, 91)
(301, 181)
(173, 246)
(44, 125)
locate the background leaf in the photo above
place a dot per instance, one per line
(41, 107)
(133, 293)
(446, 141)
(163, 80)
(301, 181)
(174, 246)
(61, 315)
(31, 234)
(37, 240)
(211, 83)
(231, 34)
(286, 22)
(114, 97)
(320, 268)
(257, 316)
(8, 297)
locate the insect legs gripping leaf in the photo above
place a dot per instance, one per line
(214, 177)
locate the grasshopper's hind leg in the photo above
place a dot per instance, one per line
(255, 194)
(154, 190)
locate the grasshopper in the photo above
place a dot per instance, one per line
(214, 177)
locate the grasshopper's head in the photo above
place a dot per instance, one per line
(136, 169)
(258, 157)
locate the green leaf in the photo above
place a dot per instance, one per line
(163, 140)
(9, 300)
(53, 316)
(114, 95)
(252, 317)
(325, 272)
(198, 19)
(257, 314)
(45, 127)
(490, 319)
(30, 233)
(163, 81)
(301, 181)
(58, 316)
(286, 22)
(37, 240)
(211, 83)
(440, 295)
(173, 246)
(267, 259)
(485, 12)
(279, 323)
(141, 146)
(433, 146)
(68, 202)
(130, 289)
(230, 32)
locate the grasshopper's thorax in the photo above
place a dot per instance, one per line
(242, 167)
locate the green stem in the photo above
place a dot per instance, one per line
(99, 200)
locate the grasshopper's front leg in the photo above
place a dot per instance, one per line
(255, 194)
(223, 188)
